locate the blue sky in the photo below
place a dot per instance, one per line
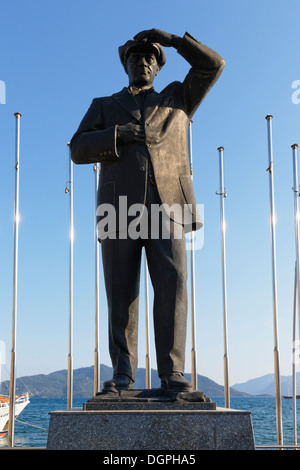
(55, 58)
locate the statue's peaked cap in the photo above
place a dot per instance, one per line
(133, 45)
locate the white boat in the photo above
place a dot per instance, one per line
(21, 402)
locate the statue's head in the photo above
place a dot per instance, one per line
(142, 61)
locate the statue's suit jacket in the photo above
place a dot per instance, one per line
(165, 117)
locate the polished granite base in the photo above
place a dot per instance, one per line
(150, 420)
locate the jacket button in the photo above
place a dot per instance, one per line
(142, 168)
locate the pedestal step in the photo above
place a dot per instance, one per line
(154, 426)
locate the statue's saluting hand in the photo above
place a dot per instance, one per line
(156, 35)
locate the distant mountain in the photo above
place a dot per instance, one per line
(55, 384)
(265, 385)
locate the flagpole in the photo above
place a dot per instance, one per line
(297, 278)
(12, 390)
(71, 239)
(223, 195)
(294, 360)
(274, 279)
(296, 215)
(193, 297)
(148, 358)
(97, 351)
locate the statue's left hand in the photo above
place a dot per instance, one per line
(156, 35)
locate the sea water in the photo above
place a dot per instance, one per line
(31, 427)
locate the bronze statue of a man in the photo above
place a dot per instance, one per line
(140, 138)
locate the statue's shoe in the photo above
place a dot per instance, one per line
(175, 382)
(119, 382)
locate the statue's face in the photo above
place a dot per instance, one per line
(142, 68)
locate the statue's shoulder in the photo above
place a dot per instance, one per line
(124, 91)
(171, 94)
(171, 88)
(98, 102)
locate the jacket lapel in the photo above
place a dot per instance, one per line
(127, 101)
(151, 105)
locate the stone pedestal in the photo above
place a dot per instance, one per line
(139, 420)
